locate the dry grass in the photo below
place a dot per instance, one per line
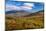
(31, 22)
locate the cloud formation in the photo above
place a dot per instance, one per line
(26, 6)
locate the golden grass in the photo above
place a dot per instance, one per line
(32, 22)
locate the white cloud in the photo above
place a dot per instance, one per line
(27, 6)
(10, 7)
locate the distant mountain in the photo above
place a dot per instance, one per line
(9, 12)
(13, 11)
(36, 13)
(23, 13)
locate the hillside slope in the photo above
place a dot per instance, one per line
(32, 21)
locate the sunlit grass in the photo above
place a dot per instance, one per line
(24, 22)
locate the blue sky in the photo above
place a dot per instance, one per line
(35, 6)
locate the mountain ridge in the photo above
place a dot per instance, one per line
(23, 13)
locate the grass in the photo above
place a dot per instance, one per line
(18, 23)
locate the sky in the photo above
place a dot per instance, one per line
(26, 6)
